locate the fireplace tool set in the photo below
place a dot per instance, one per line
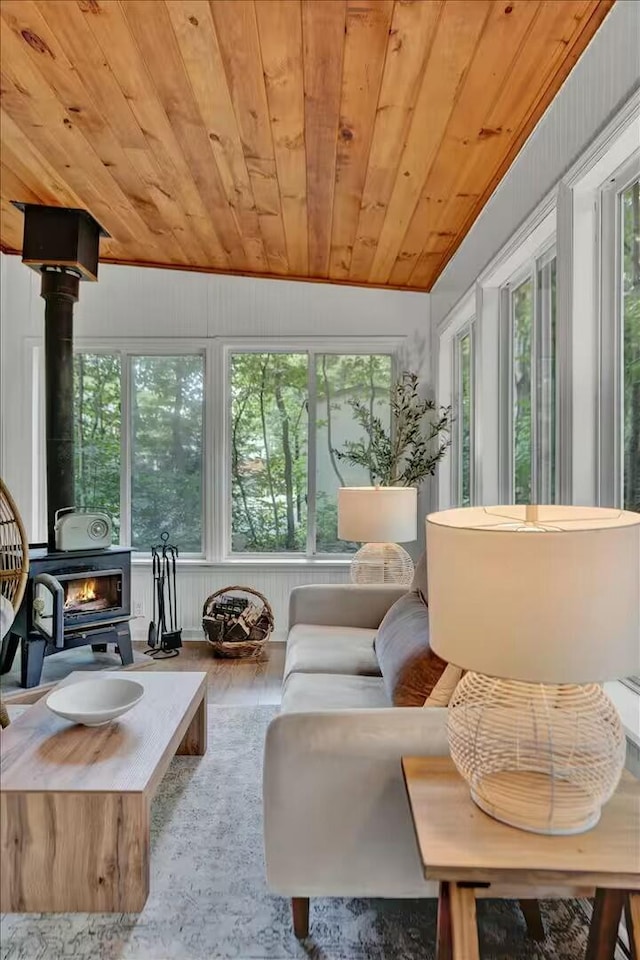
(165, 636)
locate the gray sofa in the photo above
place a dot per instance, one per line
(337, 820)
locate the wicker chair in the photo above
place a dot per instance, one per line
(14, 560)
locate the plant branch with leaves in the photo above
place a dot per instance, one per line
(410, 451)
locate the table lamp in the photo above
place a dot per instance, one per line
(541, 604)
(379, 517)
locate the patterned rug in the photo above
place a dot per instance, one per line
(209, 900)
(60, 665)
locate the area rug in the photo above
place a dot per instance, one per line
(60, 665)
(209, 899)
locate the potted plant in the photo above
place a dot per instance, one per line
(407, 452)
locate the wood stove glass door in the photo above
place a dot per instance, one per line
(48, 608)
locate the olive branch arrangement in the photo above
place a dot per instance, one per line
(410, 451)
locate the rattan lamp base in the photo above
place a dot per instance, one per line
(501, 796)
(540, 757)
(382, 563)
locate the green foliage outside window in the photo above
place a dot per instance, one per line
(341, 381)
(522, 326)
(167, 396)
(97, 434)
(464, 347)
(269, 444)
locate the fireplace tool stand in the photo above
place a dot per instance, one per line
(164, 637)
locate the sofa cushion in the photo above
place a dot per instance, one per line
(310, 692)
(410, 669)
(313, 648)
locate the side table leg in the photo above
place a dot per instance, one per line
(603, 931)
(194, 742)
(443, 936)
(464, 924)
(533, 919)
(632, 918)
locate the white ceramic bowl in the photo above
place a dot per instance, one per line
(95, 702)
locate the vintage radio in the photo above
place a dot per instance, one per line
(82, 531)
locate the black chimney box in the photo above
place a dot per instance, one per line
(61, 237)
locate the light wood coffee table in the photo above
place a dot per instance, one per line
(474, 855)
(75, 801)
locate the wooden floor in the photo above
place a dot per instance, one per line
(239, 682)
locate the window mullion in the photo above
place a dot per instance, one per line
(536, 393)
(506, 367)
(125, 448)
(473, 340)
(311, 453)
(211, 462)
(456, 448)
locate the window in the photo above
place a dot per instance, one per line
(290, 413)
(139, 445)
(269, 452)
(619, 236)
(463, 424)
(531, 349)
(167, 395)
(629, 200)
(98, 417)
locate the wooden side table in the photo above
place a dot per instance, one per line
(474, 855)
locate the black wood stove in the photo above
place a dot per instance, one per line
(72, 599)
(82, 596)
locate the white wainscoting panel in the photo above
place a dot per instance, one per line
(197, 581)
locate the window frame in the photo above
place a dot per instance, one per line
(216, 509)
(526, 271)
(312, 347)
(469, 329)
(610, 304)
(127, 350)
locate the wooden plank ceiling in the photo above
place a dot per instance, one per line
(348, 140)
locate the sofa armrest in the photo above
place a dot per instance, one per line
(336, 814)
(342, 604)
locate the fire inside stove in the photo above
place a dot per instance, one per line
(90, 595)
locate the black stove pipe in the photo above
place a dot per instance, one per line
(60, 292)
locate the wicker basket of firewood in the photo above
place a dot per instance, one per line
(237, 622)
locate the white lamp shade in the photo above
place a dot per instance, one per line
(377, 514)
(547, 594)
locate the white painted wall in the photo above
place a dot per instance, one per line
(602, 80)
(130, 302)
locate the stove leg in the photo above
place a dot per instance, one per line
(8, 653)
(124, 645)
(31, 660)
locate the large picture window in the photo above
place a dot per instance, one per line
(530, 308)
(290, 413)
(146, 453)
(139, 445)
